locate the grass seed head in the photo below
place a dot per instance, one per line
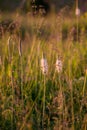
(20, 48)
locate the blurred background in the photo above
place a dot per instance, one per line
(25, 5)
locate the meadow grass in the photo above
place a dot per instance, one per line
(26, 94)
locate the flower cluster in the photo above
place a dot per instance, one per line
(44, 65)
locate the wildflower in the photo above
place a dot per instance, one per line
(44, 65)
(59, 65)
(77, 12)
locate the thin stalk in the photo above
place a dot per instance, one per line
(44, 95)
(72, 109)
(84, 85)
(77, 3)
(85, 127)
(12, 83)
(12, 101)
(61, 91)
(71, 94)
(10, 57)
(37, 64)
(21, 79)
(21, 73)
(37, 75)
(77, 20)
(8, 44)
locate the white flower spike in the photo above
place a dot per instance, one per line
(59, 65)
(77, 12)
(44, 65)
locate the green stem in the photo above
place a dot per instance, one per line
(77, 30)
(13, 95)
(44, 102)
(61, 117)
(84, 85)
(72, 108)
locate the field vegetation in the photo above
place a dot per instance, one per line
(36, 98)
